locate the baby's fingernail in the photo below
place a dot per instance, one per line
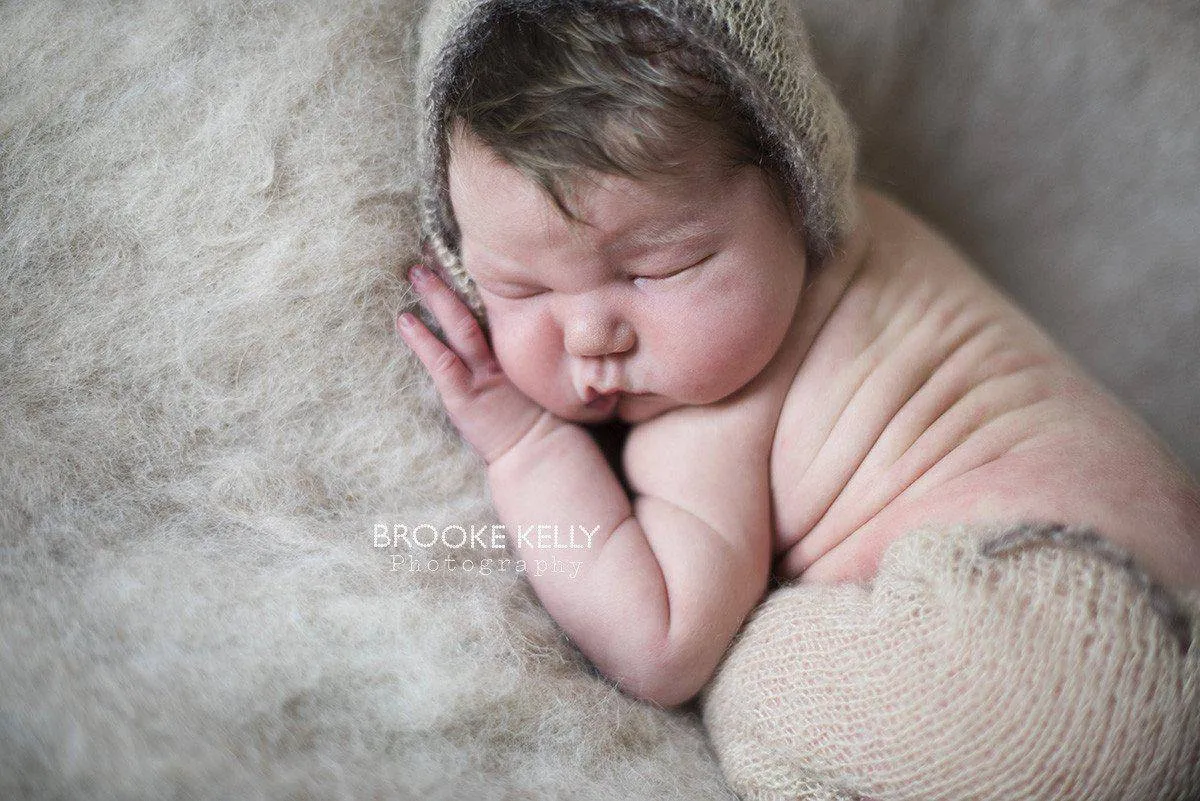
(405, 322)
(418, 274)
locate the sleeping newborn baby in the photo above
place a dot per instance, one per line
(653, 213)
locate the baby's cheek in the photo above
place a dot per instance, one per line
(741, 331)
(736, 356)
(529, 356)
(711, 361)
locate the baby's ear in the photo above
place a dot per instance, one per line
(795, 208)
(786, 198)
(798, 216)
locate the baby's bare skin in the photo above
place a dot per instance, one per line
(911, 392)
(928, 398)
(801, 424)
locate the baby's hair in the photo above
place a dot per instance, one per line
(560, 92)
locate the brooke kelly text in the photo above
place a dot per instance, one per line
(495, 536)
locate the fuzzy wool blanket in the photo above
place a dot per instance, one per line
(210, 440)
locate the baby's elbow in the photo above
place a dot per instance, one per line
(659, 690)
(667, 681)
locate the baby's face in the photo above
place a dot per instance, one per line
(671, 292)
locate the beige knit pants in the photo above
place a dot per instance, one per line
(1036, 662)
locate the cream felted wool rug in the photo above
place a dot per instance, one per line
(204, 417)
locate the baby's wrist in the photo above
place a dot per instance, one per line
(526, 446)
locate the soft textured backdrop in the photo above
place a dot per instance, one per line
(203, 411)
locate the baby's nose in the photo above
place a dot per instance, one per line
(595, 335)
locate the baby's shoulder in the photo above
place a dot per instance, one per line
(885, 216)
(901, 241)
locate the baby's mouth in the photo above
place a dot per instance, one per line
(602, 401)
(595, 379)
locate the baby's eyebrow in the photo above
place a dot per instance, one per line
(497, 266)
(652, 237)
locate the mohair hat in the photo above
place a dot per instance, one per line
(758, 47)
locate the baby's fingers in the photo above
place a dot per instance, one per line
(462, 330)
(451, 377)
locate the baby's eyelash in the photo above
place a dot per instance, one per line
(515, 293)
(673, 273)
(527, 294)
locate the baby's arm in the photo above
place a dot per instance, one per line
(668, 578)
(665, 585)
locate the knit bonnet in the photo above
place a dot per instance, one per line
(758, 47)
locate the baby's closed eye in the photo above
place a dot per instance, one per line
(651, 275)
(511, 291)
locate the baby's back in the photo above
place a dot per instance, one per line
(921, 395)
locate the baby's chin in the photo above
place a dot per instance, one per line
(635, 409)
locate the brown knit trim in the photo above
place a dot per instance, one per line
(1162, 600)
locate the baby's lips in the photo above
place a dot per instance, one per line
(580, 384)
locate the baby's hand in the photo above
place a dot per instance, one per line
(488, 410)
